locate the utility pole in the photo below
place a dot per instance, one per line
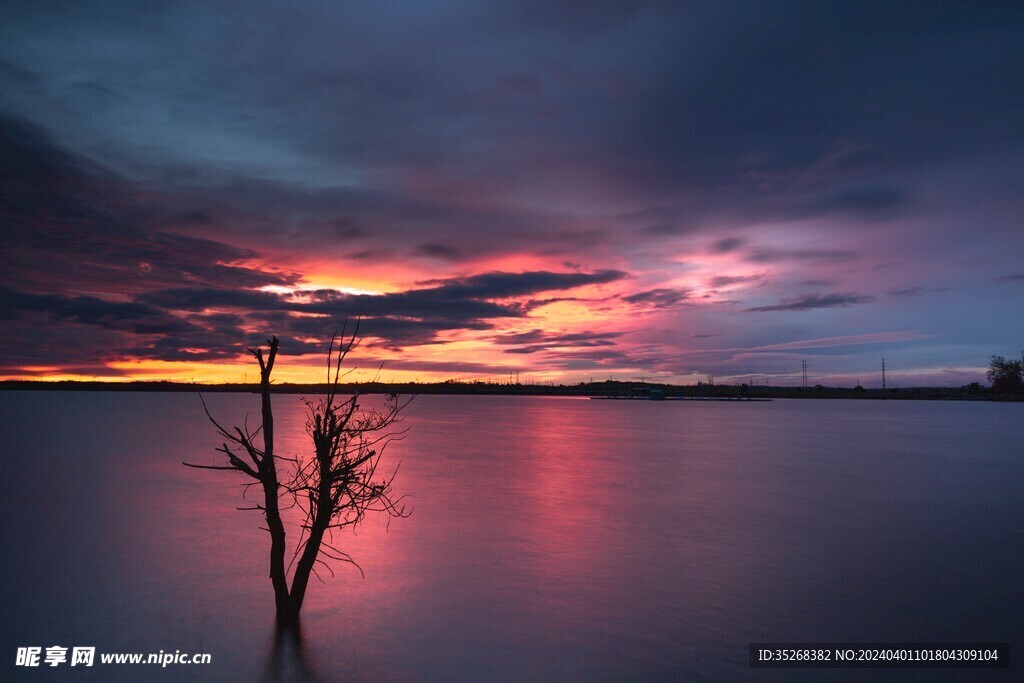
(883, 374)
(803, 364)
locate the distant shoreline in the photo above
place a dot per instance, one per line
(609, 388)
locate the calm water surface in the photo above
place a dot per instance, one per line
(551, 539)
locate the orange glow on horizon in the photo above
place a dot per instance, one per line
(548, 325)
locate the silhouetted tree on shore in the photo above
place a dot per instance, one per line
(1006, 376)
(336, 487)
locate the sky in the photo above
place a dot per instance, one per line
(570, 191)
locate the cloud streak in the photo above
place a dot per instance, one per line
(813, 301)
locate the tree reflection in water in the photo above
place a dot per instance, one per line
(289, 658)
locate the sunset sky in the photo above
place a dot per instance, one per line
(567, 190)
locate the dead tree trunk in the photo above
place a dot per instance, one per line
(335, 488)
(263, 471)
(271, 488)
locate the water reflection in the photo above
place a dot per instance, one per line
(552, 539)
(289, 658)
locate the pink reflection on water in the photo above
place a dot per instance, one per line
(550, 538)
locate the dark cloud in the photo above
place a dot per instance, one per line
(394, 319)
(662, 297)
(533, 304)
(585, 359)
(443, 160)
(434, 250)
(727, 245)
(775, 89)
(447, 366)
(423, 304)
(56, 330)
(368, 255)
(526, 349)
(132, 317)
(62, 214)
(726, 280)
(33, 340)
(215, 346)
(390, 332)
(497, 285)
(809, 302)
(1012, 277)
(204, 298)
(83, 221)
(538, 340)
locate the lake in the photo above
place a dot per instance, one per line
(551, 539)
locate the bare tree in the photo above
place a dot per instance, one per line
(335, 488)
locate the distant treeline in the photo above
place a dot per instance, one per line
(607, 388)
